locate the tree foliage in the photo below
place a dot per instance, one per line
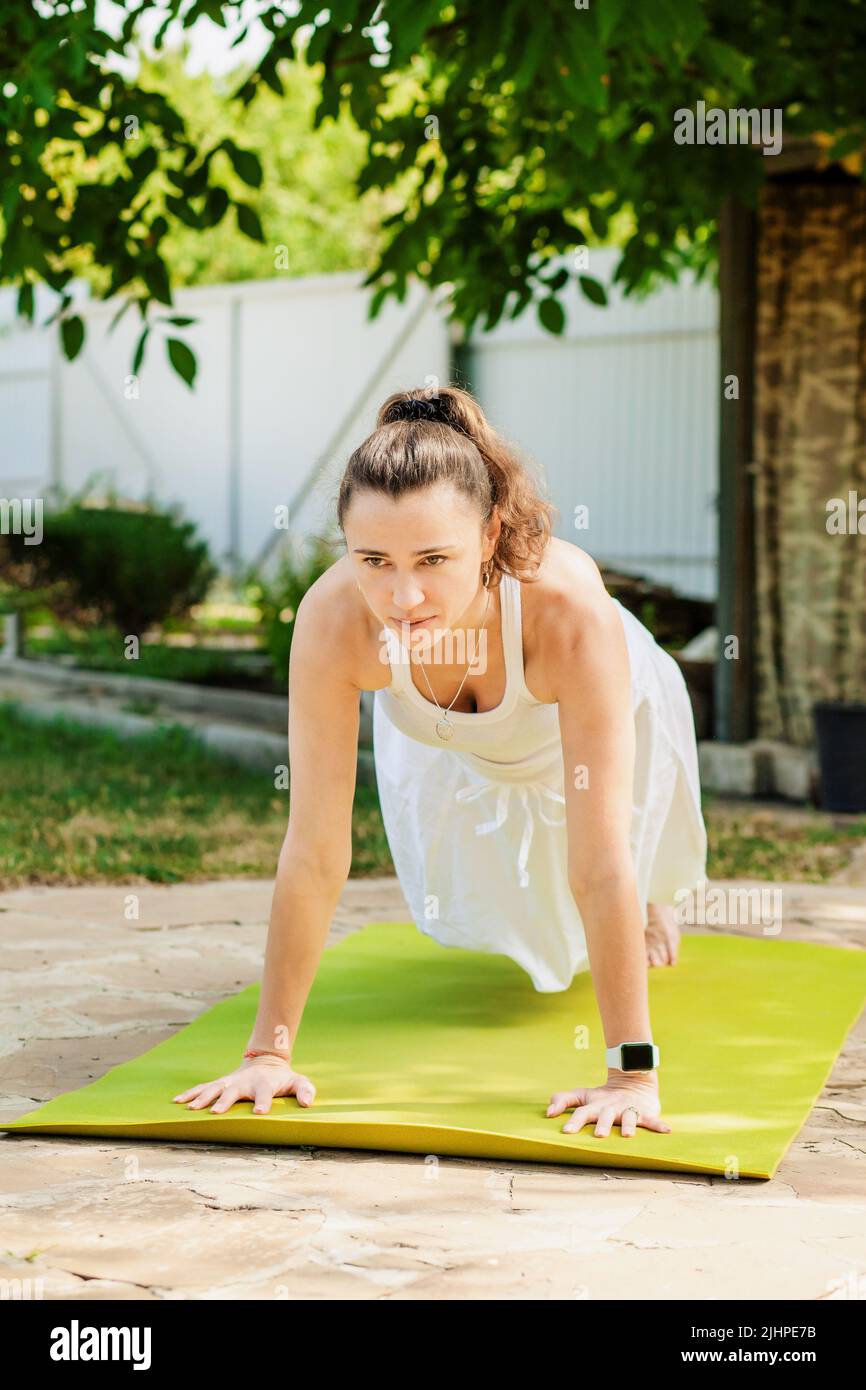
(138, 183)
(507, 133)
(314, 221)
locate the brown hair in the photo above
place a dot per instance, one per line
(424, 437)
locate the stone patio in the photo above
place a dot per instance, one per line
(84, 989)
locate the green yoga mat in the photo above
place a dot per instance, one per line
(434, 1050)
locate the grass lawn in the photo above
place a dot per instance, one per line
(782, 841)
(80, 805)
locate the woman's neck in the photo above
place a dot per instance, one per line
(473, 619)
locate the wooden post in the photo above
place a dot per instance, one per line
(734, 689)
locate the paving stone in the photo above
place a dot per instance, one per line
(85, 988)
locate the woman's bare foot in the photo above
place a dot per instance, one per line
(662, 935)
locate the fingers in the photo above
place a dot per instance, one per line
(605, 1115)
(650, 1122)
(263, 1095)
(584, 1115)
(228, 1096)
(225, 1093)
(303, 1089)
(627, 1123)
(187, 1095)
(203, 1094)
(605, 1120)
(563, 1100)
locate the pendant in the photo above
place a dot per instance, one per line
(444, 728)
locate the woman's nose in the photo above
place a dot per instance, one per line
(407, 596)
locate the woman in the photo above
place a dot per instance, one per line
(571, 722)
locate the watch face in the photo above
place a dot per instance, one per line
(637, 1057)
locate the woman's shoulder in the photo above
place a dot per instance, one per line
(566, 608)
(568, 582)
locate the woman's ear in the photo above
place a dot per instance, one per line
(491, 533)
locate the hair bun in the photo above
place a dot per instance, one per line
(417, 408)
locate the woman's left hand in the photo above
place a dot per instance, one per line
(609, 1105)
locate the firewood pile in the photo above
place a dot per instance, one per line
(672, 618)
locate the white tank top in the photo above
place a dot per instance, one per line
(462, 889)
(518, 741)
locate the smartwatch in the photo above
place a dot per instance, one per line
(632, 1056)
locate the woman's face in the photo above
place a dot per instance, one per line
(418, 557)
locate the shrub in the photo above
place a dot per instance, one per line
(129, 567)
(278, 598)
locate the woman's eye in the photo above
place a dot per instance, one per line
(375, 562)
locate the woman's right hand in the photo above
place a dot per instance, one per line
(258, 1079)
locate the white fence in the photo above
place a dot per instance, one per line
(290, 375)
(621, 412)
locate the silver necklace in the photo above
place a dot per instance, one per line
(444, 726)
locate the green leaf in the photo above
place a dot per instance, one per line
(245, 163)
(249, 223)
(598, 220)
(120, 313)
(215, 207)
(183, 212)
(587, 64)
(182, 359)
(608, 14)
(270, 76)
(557, 281)
(66, 300)
(143, 164)
(551, 315)
(594, 292)
(536, 48)
(377, 299)
(139, 352)
(178, 320)
(523, 298)
(25, 301)
(72, 336)
(155, 277)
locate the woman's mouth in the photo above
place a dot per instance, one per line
(415, 622)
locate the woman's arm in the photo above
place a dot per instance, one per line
(316, 855)
(591, 676)
(598, 733)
